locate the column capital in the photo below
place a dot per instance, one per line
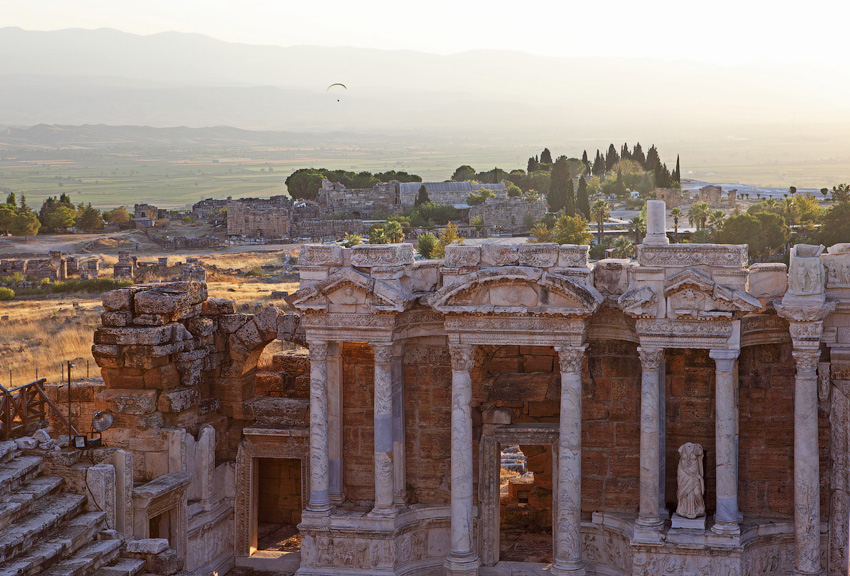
(383, 352)
(571, 358)
(650, 357)
(463, 357)
(806, 359)
(318, 350)
(724, 360)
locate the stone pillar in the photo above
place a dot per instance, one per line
(806, 464)
(726, 442)
(650, 432)
(399, 457)
(656, 223)
(319, 477)
(383, 429)
(334, 380)
(462, 559)
(568, 516)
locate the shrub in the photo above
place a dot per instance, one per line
(426, 244)
(6, 294)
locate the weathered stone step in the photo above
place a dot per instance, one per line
(78, 531)
(35, 559)
(18, 471)
(7, 450)
(88, 559)
(123, 567)
(16, 539)
(20, 502)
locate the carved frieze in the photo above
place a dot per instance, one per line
(573, 255)
(459, 256)
(499, 255)
(684, 255)
(369, 256)
(538, 255)
(320, 255)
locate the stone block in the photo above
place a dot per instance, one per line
(250, 335)
(767, 280)
(538, 255)
(200, 327)
(369, 256)
(320, 255)
(215, 306)
(460, 256)
(26, 443)
(115, 300)
(287, 326)
(573, 255)
(178, 399)
(117, 318)
(266, 321)
(147, 546)
(140, 336)
(499, 255)
(136, 402)
(230, 323)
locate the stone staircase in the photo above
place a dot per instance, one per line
(45, 531)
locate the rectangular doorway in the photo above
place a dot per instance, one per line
(279, 505)
(525, 505)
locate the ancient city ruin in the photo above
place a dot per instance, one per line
(682, 413)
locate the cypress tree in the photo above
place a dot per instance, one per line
(545, 156)
(598, 164)
(532, 165)
(582, 201)
(570, 204)
(611, 158)
(585, 161)
(558, 185)
(638, 155)
(677, 175)
(624, 153)
(652, 159)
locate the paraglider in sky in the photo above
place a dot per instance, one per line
(336, 84)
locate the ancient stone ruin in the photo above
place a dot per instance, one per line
(379, 450)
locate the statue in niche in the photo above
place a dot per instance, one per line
(691, 483)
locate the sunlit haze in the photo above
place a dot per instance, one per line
(724, 31)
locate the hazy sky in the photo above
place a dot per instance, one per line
(721, 31)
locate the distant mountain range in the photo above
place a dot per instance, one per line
(173, 79)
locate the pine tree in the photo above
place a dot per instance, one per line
(545, 156)
(582, 201)
(611, 158)
(638, 155)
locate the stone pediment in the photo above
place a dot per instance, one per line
(639, 301)
(693, 294)
(351, 292)
(517, 290)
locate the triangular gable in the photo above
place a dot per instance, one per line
(350, 291)
(693, 293)
(516, 290)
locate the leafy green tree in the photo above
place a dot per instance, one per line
(836, 224)
(26, 224)
(582, 199)
(377, 235)
(350, 240)
(841, 193)
(542, 233)
(448, 236)
(476, 198)
(400, 176)
(676, 214)
(463, 173)
(715, 221)
(60, 217)
(90, 219)
(304, 183)
(430, 214)
(600, 212)
(764, 232)
(422, 196)
(426, 245)
(7, 215)
(119, 217)
(493, 176)
(394, 233)
(572, 230)
(514, 191)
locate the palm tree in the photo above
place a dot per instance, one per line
(637, 226)
(599, 212)
(675, 214)
(698, 214)
(715, 221)
(622, 248)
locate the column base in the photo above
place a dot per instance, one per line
(568, 568)
(320, 510)
(390, 512)
(800, 573)
(462, 565)
(726, 528)
(650, 522)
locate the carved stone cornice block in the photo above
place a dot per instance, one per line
(459, 256)
(538, 255)
(320, 255)
(684, 255)
(499, 255)
(573, 255)
(368, 256)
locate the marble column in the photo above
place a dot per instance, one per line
(726, 442)
(335, 448)
(462, 559)
(399, 455)
(650, 434)
(806, 464)
(319, 477)
(568, 559)
(383, 429)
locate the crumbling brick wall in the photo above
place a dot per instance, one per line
(358, 431)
